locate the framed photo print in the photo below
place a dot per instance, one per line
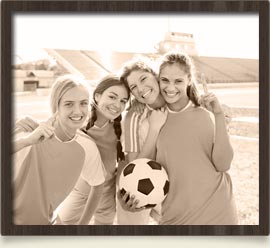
(135, 118)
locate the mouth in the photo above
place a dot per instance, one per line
(76, 118)
(171, 94)
(113, 111)
(146, 94)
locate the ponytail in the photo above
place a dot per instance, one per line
(193, 94)
(92, 119)
(118, 132)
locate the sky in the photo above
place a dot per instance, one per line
(224, 35)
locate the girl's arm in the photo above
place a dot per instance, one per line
(222, 153)
(91, 204)
(44, 131)
(20, 143)
(26, 124)
(156, 121)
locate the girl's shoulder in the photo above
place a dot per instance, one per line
(132, 116)
(82, 135)
(204, 113)
(202, 110)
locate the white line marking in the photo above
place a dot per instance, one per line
(244, 138)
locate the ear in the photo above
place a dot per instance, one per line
(189, 80)
(97, 97)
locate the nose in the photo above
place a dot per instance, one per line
(170, 87)
(140, 87)
(117, 104)
(77, 109)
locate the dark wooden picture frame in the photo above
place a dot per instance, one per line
(95, 7)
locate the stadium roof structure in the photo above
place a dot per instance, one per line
(92, 65)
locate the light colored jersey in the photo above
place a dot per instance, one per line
(45, 173)
(72, 208)
(199, 194)
(135, 130)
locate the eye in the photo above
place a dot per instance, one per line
(124, 101)
(143, 79)
(133, 87)
(68, 104)
(84, 103)
(164, 80)
(112, 97)
(178, 81)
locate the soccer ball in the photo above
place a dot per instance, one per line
(147, 180)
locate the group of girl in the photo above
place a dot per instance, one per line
(62, 165)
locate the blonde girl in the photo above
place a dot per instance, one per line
(49, 161)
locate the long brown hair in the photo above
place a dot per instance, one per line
(105, 83)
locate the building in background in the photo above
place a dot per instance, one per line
(182, 42)
(93, 65)
(31, 80)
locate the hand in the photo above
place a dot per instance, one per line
(157, 118)
(211, 103)
(227, 113)
(137, 106)
(57, 221)
(43, 132)
(26, 124)
(128, 203)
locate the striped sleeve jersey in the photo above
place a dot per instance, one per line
(135, 130)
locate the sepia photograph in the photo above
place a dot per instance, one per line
(136, 121)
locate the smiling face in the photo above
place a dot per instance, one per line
(173, 81)
(144, 86)
(112, 102)
(73, 108)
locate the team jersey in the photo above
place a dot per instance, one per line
(135, 130)
(45, 173)
(106, 140)
(72, 208)
(200, 193)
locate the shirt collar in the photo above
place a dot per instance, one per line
(183, 109)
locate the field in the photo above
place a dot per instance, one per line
(243, 130)
(245, 169)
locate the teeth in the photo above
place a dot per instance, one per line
(76, 118)
(114, 111)
(146, 93)
(171, 94)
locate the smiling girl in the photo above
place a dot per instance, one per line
(104, 126)
(49, 161)
(141, 130)
(195, 149)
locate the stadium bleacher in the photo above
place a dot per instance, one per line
(93, 65)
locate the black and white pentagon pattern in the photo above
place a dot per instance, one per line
(147, 180)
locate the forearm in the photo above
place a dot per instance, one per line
(91, 204)
(20, 143)
(222, 154)
(149, 148)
